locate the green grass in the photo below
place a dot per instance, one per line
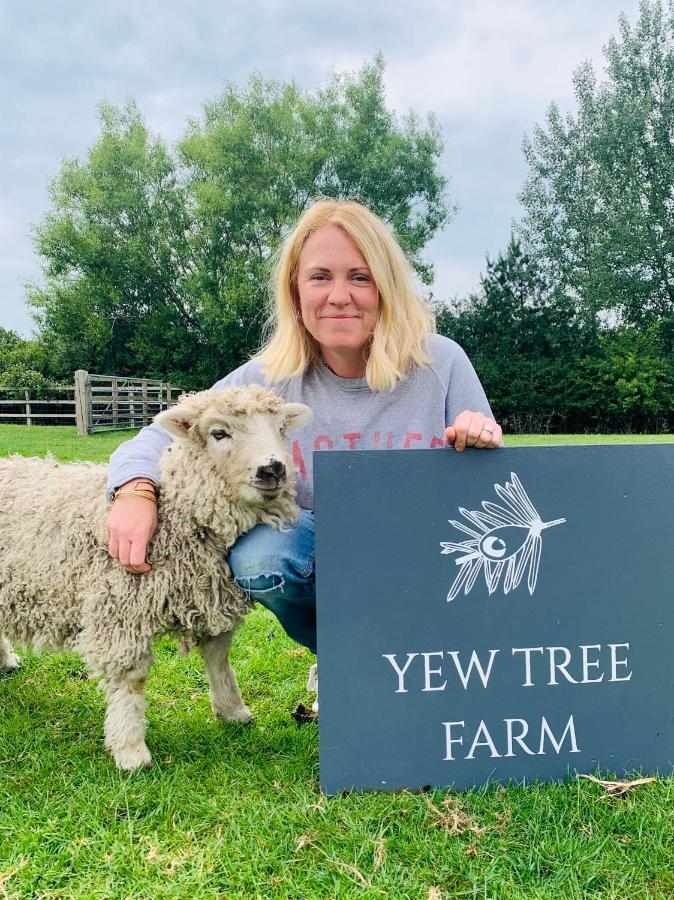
(235, 811)
(551, 440)
(61, 440)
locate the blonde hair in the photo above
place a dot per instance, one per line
(397, 341)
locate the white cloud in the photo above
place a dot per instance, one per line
(496, 56)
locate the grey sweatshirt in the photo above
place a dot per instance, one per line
(347, 414)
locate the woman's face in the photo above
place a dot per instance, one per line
(339, 301)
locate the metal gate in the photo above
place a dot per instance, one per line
(115, 402)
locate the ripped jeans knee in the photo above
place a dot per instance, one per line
(260, 584)
(276, 568)
(265, 558)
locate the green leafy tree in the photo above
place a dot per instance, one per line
(626, 385)
(117, 257)
(521, 339)
(18, 378)
(158, 264)
(16, 351)
(600, 194)
(544, 369)
(261, 155)
(10, 342)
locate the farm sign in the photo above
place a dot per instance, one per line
(494, 615)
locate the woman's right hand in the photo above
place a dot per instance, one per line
(130, 526)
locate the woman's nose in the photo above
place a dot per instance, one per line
(340, 293)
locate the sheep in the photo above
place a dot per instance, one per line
(227, 470)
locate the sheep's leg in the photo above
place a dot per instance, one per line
(226, 700)
(8, 659)
(125, 718)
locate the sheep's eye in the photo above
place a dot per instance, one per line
(219, 434)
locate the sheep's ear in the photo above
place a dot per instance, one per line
(296, 415)
(179, 418)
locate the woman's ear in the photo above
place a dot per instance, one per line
(296, 415)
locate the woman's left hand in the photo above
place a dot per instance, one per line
(473, 429)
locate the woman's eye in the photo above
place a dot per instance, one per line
(219, 434)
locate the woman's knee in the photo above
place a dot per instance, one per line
(265, 558)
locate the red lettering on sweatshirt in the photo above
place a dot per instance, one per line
(377, 440)
(412, 436)
(323, 439)
(438, 442)
(352, 437)
(298, 459)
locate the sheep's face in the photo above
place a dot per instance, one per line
(243, 432)
(251, 453)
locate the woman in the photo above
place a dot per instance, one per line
(354, 342)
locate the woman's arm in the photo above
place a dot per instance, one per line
(138, 457)
(133, 518)
(467, 409)
(131, 524)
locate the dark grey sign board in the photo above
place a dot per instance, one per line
(494, 615)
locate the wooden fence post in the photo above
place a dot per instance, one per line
(168, 394)
(115, 404)
(81, 402)
(143, 391)
(26, 394)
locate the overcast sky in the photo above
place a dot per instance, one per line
(487, 68)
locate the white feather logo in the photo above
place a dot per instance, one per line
(505, 541)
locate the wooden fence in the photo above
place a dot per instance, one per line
(93, 403)
(50, 406)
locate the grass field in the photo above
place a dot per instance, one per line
(235, 811)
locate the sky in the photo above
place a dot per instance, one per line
(488, 70)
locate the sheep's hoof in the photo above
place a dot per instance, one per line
(240, 714)
(10, 662)
(134, 757)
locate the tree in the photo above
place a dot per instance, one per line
(260, 156)
(17, 352)
(600, 194)
(522, 340)
(9, 342)
(158, 264)
(117, 255)
(544, 369)
(18, 378)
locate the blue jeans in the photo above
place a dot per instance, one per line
(276, 568)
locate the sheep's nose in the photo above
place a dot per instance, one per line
(275, 470)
